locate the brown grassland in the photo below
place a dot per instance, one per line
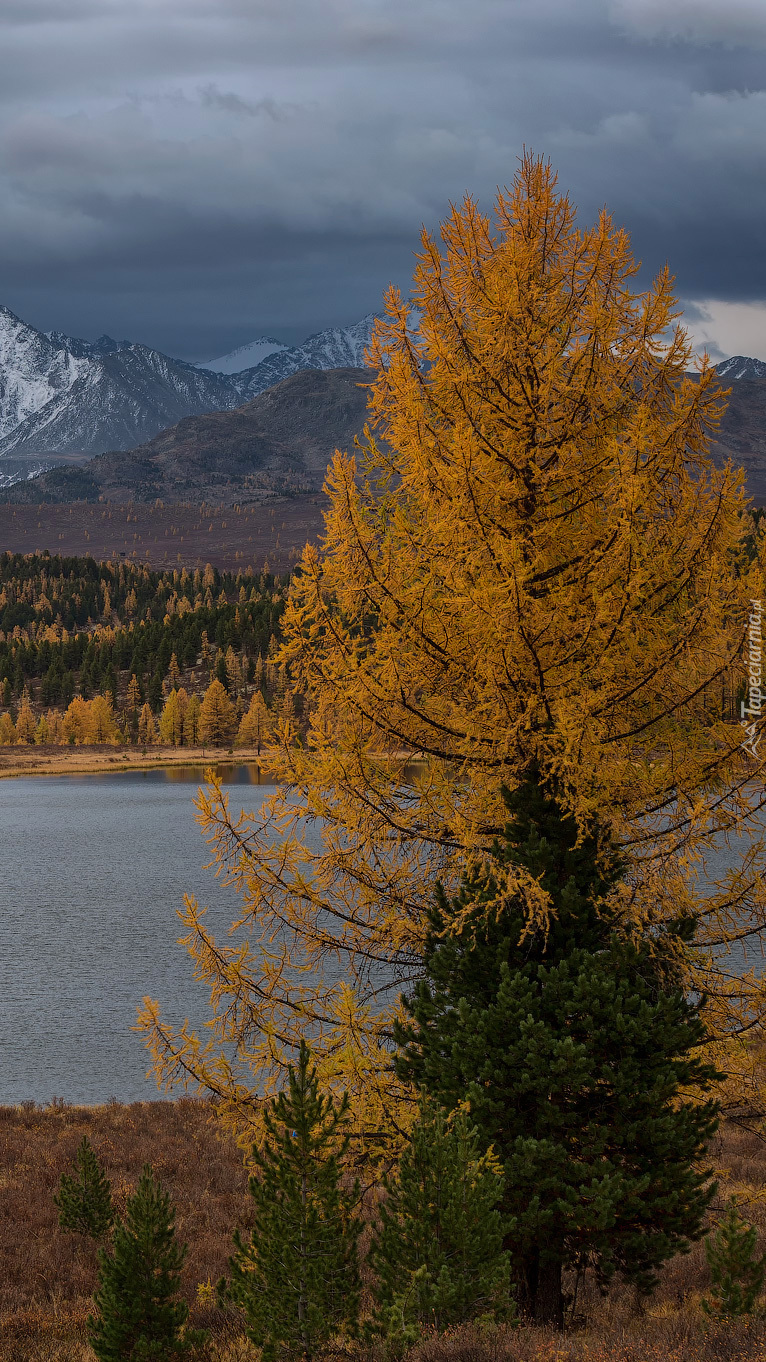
(47, 1276)
(47, 759)
(168, 536)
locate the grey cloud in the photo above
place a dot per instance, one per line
(734, 23)
(183, 169)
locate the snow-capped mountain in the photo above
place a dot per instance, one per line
(63, 396)
(59, 395)
(741, 366)
(34, 370)
(245, 357)
(340, 347)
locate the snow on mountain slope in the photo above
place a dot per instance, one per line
(741, 366)
(60, 395)
(245, 357)
(34, 370)
(340, 347)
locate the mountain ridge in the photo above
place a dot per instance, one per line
(278, 443)
(62, 397)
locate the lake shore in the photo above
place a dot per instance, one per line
(51, 760)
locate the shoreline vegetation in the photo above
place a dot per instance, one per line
(51, 760)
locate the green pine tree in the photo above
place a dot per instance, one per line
(438, 1250)
(297, 1279)
(84, 1200)
(138, 1318)
(572, 1048)
(737, 1273)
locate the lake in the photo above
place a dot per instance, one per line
(93, 869)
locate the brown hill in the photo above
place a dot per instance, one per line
(743, 434)
(281, 441)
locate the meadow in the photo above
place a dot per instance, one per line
(47, 1275)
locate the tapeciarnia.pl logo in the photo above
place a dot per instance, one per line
(751, 711)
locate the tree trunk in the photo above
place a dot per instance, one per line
(538, 1291)
(548, 1305)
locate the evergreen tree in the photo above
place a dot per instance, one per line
(572, 1047)
(297, 1279)
(84, 1199)
(138, 1318)
(737, 1274)
(438, 1250)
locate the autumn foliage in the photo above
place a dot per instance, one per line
(531, 559)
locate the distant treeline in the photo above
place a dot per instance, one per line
(76, 627)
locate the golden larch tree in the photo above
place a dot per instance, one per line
(217, 719)
(147, 727)
(530, 560)
(256, 725)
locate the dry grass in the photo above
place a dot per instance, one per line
(47, 1276)
(168, 536)
(50, 760)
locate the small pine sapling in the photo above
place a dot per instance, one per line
(736, 1272)
(297, 1280)
(438, 1249)
(138, 1319)
(84, 1199)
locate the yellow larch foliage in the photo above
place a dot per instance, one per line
(25, 723)
(147, 728)
(217, 719)
(531, 558)
(256, 726)
(100, 723)
(172, 717)
(74, 724)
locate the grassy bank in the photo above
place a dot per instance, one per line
(47, 1276)
(50, 760)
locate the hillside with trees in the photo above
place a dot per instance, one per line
(112, 652)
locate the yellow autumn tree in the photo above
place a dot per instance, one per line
(191, 721)
(172, 718)
(217, 719)
(100, 723)
(530, 560)
(7, 730)
(74, 724)
(25, 723)
(147, 728)
(256, 727)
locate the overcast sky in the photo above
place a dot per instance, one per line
(192, 173)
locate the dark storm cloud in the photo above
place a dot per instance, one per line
(190, 173)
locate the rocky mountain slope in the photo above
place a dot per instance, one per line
(60, 396)
(281, 441)
(742, 435)
(340, 347)
(739, 367)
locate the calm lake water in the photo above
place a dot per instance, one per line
(92, 870)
